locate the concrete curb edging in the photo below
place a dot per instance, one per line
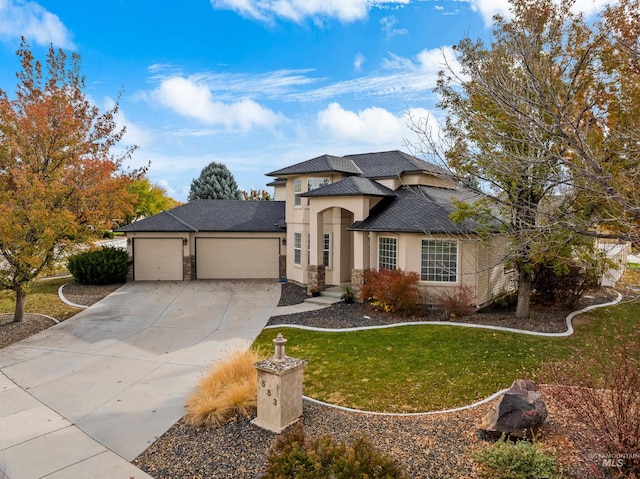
(409, 414)
(66, 301)
(566, 333)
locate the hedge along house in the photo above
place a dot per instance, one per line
(345, 215)
(210, 239)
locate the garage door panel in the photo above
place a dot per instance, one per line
(237, 258)
(157, 259)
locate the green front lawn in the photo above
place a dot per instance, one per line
(424, 368)
(43, 299)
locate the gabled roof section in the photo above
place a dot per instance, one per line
(391, 164)
(386, 164)
(321, 164)
(216, 215)
(419, 209)
(351, 186)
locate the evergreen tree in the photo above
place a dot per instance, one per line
(214, 183)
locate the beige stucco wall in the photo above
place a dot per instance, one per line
(416, 179)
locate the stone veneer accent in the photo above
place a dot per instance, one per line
(187, 268)
(316, 278)
(283, 266)
(357, 281)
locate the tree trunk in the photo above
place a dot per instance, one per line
(21, 296)
(525, 281)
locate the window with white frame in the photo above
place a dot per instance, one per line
(387, 253)
(439, 261)
(315, 183)
(297, 247)
(297, 189)
(326, 250)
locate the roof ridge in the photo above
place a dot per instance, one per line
(179, 220)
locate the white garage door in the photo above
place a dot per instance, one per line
(239, 258)
(157, 259)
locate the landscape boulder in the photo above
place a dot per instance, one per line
(521, 411)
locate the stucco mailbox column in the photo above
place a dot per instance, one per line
(279, 389)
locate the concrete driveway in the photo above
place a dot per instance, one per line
(78, 398)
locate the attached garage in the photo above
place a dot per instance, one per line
(235, 258)
(209, 239)
(157, 259)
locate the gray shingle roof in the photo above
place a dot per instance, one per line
(321, 164)
(278, 182)
(419, 209)
(351, 186)
(386, 164)
(216, 215)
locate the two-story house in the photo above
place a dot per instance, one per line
(333, 218)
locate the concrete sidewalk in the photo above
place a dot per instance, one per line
(87, 396)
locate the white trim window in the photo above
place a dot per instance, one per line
(297, 248)
(315, 183)
(297, 189)
(326, 250)
(387, 252)
(308, 248)
(439, 262)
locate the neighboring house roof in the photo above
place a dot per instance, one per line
(418, 209)
(386, 164)
(216, 215)
(351, 186)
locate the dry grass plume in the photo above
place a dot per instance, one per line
(229, 391)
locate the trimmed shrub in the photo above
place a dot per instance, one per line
(457, 301)
(520, 460)
(296, 457)
(564, 287)
(108, 265)
(600, 391)
(394, 290)
(229, 391)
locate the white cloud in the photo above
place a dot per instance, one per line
(298, 10)
(35, 23)
(358, 61)
(388, 27)
(373, 126)
(194, 99)
(488, 8)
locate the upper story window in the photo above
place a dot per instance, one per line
(315, 183)
(387, 253)
(297, 188)
(439, 261)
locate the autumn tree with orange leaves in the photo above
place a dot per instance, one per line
(60, 180)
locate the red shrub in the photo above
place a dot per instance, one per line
(393, 289)
(457, 301)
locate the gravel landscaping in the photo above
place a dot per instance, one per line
(433, 446)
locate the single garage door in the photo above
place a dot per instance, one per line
(239, 258)
(157, 259)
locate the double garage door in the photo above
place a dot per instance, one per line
(216, 258)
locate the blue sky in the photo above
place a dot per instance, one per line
(254, 84)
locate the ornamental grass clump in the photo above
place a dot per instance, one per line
(227, 393)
